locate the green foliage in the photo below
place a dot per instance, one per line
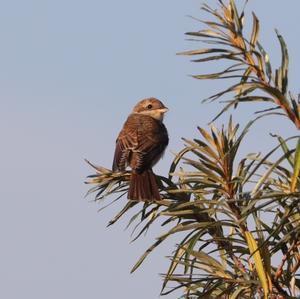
(238, 219)
(248, 60)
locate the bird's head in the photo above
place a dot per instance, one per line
(152, 107)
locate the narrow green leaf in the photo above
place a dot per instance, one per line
(204, 51)
(266, 59)
(285, 149)
(240, 289)
(284, 63)
(146, 253)
(295, 175)
(127, 207)
(177, 160)
(255, 32)
(236, 17)
(216, 75)
(267, 174)
(258, 263)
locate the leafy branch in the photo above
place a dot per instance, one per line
(237, 217)
(249, 62)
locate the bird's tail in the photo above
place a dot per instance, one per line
(143, 187)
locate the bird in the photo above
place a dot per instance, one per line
(140, 144)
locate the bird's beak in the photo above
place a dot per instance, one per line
(164, 110)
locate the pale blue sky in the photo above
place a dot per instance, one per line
(70, 72)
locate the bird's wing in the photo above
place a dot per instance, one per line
(152, 141)
(126, 142)
(148, 152)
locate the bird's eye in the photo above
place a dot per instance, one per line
(149, 106)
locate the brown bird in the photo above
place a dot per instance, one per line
(140, 144)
